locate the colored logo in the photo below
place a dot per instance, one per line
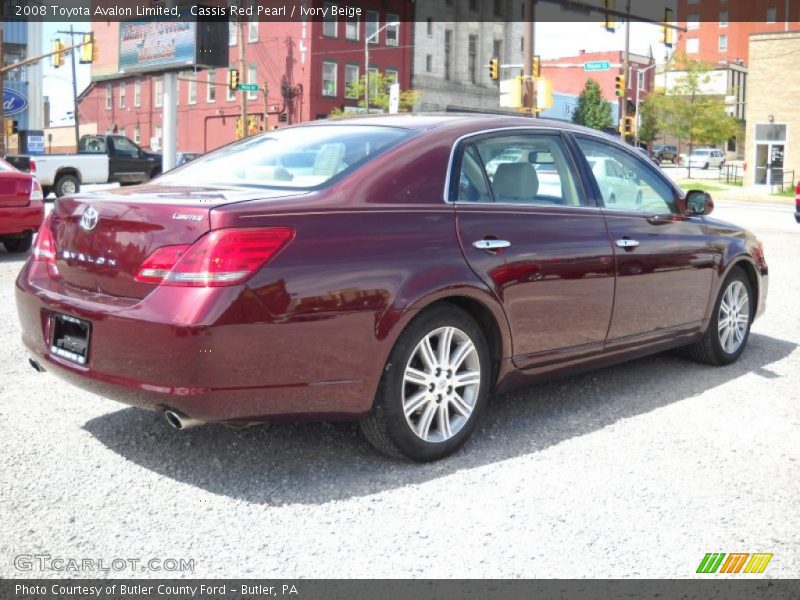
(736, 562)
(14, 102)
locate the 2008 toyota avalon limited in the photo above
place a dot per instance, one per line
(391, 270)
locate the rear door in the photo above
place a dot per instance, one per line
(528, 232)
(664, 261)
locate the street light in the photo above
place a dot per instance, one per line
(367, 38)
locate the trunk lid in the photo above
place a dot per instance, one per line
(101, 239)
(15, 189)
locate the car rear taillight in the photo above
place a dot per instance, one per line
(221, 257)
(36, 191)
(45, 247)
(32, 166)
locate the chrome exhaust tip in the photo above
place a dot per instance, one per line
(178, 420)
(36, 365)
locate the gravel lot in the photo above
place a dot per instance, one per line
(632, 471)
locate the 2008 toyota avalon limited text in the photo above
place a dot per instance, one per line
(391, 270)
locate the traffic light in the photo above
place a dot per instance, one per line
(629, 127)
(667, 33)
(610, 22)
(89, 49)
(537, 66)
(494, 69)
(619, 86)
(233, 79)
(57, 58)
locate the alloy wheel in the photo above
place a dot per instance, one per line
(733, 317)
(441, 383)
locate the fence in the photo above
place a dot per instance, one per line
(733, 174)
(780, 179)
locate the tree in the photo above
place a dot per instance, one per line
(690, 114)
(592, 110)
(378, 94)
(648, 120)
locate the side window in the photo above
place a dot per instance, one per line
(92, 145)
(124, 147)
(521, 169)
(625, 181)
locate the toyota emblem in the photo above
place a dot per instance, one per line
(89, 219)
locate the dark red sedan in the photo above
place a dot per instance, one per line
(21, 208)
(391, 270)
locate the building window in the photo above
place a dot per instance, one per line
(211, 92)
(372, 26)
(693, 21)
(692, 46)
(723, 18)
(329, 79)
(430, 26)
(472, 59)
(391, 76)
(351, 81)
(393, 31)
(230, 95)
(640, 79)
(448, 53)
(429, 63)
(498, 8)
(723, 43)
(156, 143)
(233, 28)
(252, 77)
(137, 134)
(252, 31)
(192, 94)
(497, 49)
(351, 29)
(158, 92)
(137, 93)
(109, 96)
(692, 1)
(771, 14)
(122, 88)
(329, 23)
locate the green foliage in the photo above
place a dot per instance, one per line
(592, 110)
(378, 94)
(648, 119)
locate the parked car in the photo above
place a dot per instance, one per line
(618, 185)
(706, 157)
(183, 157)
(21, 208)
(662, 152)
(390, 280)
(100, 159)
(648, 155)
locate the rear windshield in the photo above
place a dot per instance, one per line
(701, 152)
(298, 158)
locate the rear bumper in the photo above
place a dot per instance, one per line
(21, 219)
(212, 354)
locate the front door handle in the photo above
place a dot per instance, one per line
(627, 243)
(491, 245)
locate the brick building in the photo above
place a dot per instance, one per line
(569, 77)
(718, 30)
(305, 66)
(772, 140)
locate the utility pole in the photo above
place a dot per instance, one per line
(366, 68)
(266, 106)
(243, 70)
(528, 52)
(72, 33)
(623, 110)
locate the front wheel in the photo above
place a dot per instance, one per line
(433, 388)
(727, 334)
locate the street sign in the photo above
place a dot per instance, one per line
(511, 93)
(597, 65)
(247, 87)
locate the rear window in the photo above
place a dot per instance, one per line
(297, 158)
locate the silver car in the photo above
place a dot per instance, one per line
(707, 157)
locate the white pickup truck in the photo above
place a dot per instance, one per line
(100, 159)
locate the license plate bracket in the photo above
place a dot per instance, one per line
(71, 338)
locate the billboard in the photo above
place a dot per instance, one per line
(149, 46)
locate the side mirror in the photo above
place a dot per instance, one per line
(699, 202)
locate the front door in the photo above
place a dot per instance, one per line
(125, 163)
(664, 262)
(528, 232)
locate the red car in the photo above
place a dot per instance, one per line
(372, 269)
(21, 208)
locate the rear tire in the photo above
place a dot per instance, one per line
(66, 185)
(20, 244)
(430, 399)
(729, 329)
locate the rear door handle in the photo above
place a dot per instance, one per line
(491, 244)
(626, 243)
